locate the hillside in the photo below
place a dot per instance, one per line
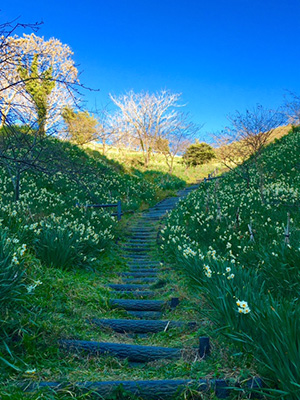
(237, 244)
(49, 232)
(133, 162)
(234, 241)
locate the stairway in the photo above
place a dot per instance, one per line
(135, 292)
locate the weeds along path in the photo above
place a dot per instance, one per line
(141, 292)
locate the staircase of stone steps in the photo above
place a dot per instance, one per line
(145, 316)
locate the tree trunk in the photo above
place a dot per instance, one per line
(16, 184)
(171, 166)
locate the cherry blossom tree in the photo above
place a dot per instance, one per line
(145, 117)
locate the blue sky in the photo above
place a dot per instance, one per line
(221, 55)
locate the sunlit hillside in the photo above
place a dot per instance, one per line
(133, 161)
(240, 249)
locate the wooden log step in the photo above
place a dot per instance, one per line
(142, 257)
(143, 235)
(140, 244)
(122, 287)
(147, 243)
(141, 249)
(139, 305)
(144, 229)
(139, 326)
(140, 240)
(137, 261)
(136, 293)
(146, 314)
(148, 263)
(140, 279)
(143, 270)
(146, 240)
(136, 274)
(136, 248)
(134, 353)
(146, 390)
(150, 390)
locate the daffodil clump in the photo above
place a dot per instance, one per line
(51, 217)
(238, 238)
(51, 227)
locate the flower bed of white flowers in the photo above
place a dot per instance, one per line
(239, 246)
(47, 220)
(46, 229)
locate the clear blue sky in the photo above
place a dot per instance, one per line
(221, 55)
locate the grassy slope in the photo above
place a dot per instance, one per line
(53, 253)
(66, 298)
(213, 247)
(60, 305)
(133, 161)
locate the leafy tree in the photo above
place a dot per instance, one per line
(39, 87)
(81, 126)
(198, 154)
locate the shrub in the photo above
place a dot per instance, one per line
(198, 154)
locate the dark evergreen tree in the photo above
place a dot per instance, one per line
(198, 154)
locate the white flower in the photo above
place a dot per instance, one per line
(30, 371)
(243, 307)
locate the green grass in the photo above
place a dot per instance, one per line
(133, 162)
(61, 306)
(209, 240)
(64, 284)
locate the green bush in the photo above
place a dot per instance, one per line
(198, 154)
(69, 243)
